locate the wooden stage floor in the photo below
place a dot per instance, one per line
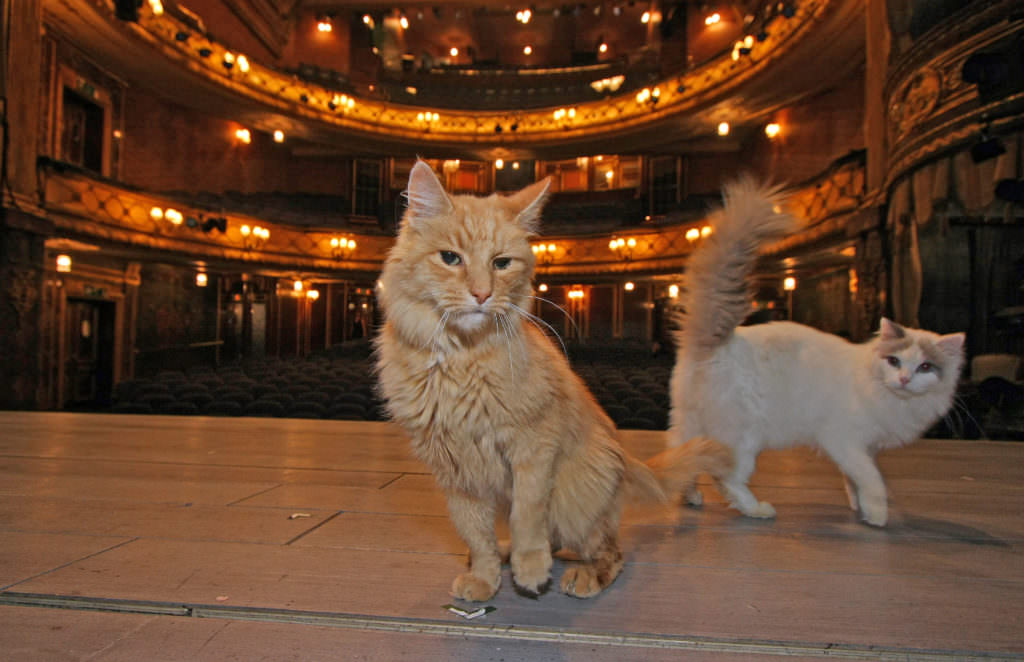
(178, 538)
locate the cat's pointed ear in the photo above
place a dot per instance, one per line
(952, 344)
(531, 200)
(890, 330)
(425, 193)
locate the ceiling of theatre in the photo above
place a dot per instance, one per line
(699, 84)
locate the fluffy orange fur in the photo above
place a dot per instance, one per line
(491, 403)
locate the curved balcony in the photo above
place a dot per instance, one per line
(85, 207)
(204, 73)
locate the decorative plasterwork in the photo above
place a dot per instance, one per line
(931, 110)
(84, 207)
(679, 94)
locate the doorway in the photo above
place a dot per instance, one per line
(89, 362)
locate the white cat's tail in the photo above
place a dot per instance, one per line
(717, 294)
(674, 470)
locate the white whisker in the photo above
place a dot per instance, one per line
(564, 311)
(499, 320)
(533, 319)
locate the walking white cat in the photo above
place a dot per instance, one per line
(782, 384)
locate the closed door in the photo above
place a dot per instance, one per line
(88, 369)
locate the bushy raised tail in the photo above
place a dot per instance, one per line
(676, 469)
(717, 296)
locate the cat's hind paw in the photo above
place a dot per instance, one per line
(468, 586)
(874, 512)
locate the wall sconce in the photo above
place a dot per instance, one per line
(789, 284)
(649, 96)
(254, 237)
(693, 234)
(673, 291)
(297, 287)
(499, 164)
(545, 253)
(342, 101)
(576, 293)
(565, 116)
(543, 287)
(312, 295)
(623, 248)
(201, 279)
(324, 24)
(427, 119)
(341, 247)
(64, 263)
(723, 128)
(772, 130)
(629, 287)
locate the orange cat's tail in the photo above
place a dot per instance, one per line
(674, 470)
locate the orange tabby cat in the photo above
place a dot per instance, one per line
(492, 405)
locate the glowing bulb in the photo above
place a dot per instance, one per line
(772, 130)
(515, 165)
(201, 279)
(174, 216)
(723, 129)
(631, 242)
(454, 52)
(646, 18)
(542, 287)
(313, 295)
(245, 230)
(243, 63)
(527, 50)
(551, 248)
(714, 18)
(243, 135)
(297, 286)
(404, 22)
(705, 232)
(279, 136)
(629, 287)
(499, 164)
(693, 234)
(789, 284)
(673, 291)
(64, 263)
(324, 25)
(156, 213)
(603, 48)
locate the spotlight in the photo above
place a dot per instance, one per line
(1011, 190)
(987, 148)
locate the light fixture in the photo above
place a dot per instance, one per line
(297, 286)
(454, 52)
(575, 294)
(622, 247)
(229, 60)
(515, 165)
(201, 279)
(279, 136)
(543, 287)
(646, 17)
(705, 232)
(771, 130)
(527, 49)
(404, 22)
(524, 16)
(712, 19)
(603, 48)
(673, 291)
(368, 21)
(692, 235)
(243, 63)
(629, 287)
(253, 237)
(243, 136)
(342, 247)
(156, 213)
(545, 253)
(789, 283)
(174, 216)
(324, 24)
(64, 263)
(312, 295)
(723, 128)
(499, 164)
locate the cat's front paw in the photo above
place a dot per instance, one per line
(468, 586)
(581, 581)
(763, 510)
(874, 511)
(531, 571)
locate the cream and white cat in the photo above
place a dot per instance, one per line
(782, 384)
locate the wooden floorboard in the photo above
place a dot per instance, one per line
(255, 523)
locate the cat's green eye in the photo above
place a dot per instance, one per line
(502, 262)
(451, 258)
(893, 361)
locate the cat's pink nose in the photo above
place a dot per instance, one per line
(904, 380)
(481, 295)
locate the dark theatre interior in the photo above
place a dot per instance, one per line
(199, 196)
